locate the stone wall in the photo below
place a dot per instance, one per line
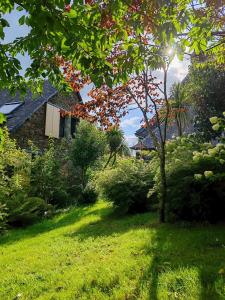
(34, 128)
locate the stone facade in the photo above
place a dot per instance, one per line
(34, 128)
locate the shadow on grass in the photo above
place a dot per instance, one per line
(184, 260)
(113, 224)
(177, 253)
(69, 218)
(173, 251)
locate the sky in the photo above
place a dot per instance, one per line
(131, 122)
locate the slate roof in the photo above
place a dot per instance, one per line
(29, 105)
(139, 146)
(146, 141)
(171, 132)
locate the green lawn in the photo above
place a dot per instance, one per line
(88, 253)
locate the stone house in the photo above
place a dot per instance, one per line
(37, 119)
(145, 142)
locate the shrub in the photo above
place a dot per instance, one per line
(87, 148)
(14, 168)
(196, 188)
(3, 217)
(47, 180)
(195, 180)
(89, 194)
(25, 210)
(127, 185)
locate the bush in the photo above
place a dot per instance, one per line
(87, 149)
(47, 180)
(14, 168)
(89, 194)
(127, 185)
(3, 217)
(196, 188)
(25, 210)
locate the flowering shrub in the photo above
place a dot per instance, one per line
(196, 184)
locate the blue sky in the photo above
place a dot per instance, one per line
(131, 122)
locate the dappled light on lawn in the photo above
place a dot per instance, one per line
(90, 253)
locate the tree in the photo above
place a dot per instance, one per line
(205, 90)
(212, 50)
(87, 147)
(149, 96)
(86, 32)
(178, 107)
(106, 41)
(116, 143)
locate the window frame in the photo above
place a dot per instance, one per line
(17, 103)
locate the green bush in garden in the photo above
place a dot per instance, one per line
(47, 178)
(196, 182)
(14, 168)
(195, 179)
(3, 217)
(89, 194)
(127, 185)
(87, 148)
(16, 207)
(179, 151)
(24, 210)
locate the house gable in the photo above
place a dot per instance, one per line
(29, 122)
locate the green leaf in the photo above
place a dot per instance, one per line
(2, 118)
(19, 8)
(72, 14)
(22, 20)
(4, 23)
(64, 47)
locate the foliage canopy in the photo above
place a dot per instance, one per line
(87, 32)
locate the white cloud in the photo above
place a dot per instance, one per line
(179, 69)
(132, 122)
(131, 140)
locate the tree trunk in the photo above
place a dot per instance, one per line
(179, 127)
(180, 133)
(163, 186)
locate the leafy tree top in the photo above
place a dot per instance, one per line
(87, 32)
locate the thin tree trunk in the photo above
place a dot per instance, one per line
(108, 161)
(163, 186)
(180, 131)
(179, 127)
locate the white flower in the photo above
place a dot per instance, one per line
(213, 120)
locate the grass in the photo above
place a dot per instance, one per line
(87, 253)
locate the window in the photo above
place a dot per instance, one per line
(73, 126)
(8, 108)
(67, 126)
(62, 127)
(57, 125)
